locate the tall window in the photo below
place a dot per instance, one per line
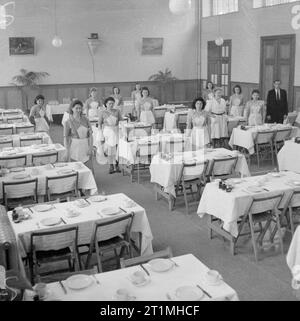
(219, 7)
(268, 3)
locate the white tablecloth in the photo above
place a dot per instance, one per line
(86, 179)
(11, 111)
(85, 222)
(190, 272)
(245, 138)
(293, 255)
(166, 173)
(56, 110)
(35, 149)
(16, 138)
(128, 150)
(230, 206)
(289, 157)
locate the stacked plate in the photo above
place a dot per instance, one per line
(21, 176)
(110, 211)
(161, 265)
(51, 221)
(79, 281)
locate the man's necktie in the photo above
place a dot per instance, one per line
(277, 95)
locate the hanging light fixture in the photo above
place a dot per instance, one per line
(56, 41)
(219, 40)
(180, 7)
(6, 20)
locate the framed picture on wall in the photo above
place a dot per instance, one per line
(152, 46)
(21, 46)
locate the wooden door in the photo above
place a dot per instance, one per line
(219, 65)
(278, 62)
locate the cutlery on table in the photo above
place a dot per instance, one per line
(173, 262)
(87, 201)
(63, 220)
(94, 276)
(206, 293)
(63, 287)
(30, 210)
(265, 189)
(122, 210)
(141, 265)
(169, 297)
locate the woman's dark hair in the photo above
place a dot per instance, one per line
(198, 99)
(212, 85)
(114, 89)
(73, 104)
(108, 99)
(237, 86)
(38, 97)
(146, 88)
(255, 91)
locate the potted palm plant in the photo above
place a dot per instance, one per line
(165, 78)
(26, 81)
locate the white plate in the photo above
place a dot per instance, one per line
(79, 281)
(65, 171)
(161, 265)
(97, 198)
(60, 164)
(73, 213)
(254, 189)
(81, 203)
(110, 211)
(43, 207)
(21, 176)
(275, 174)
(145, 282)
(297, 183)
(51, 221)
(17, 169)
(189, 293)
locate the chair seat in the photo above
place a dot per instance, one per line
(53, 254)
(113, 243)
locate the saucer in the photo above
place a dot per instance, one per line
(140, 284)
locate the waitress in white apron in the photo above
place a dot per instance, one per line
(78, 138)
(92, 104)
(136, 95)
(38, 115)
(145, 108)
(236, 102)
(109, 133)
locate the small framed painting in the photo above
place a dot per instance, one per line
(21, 46)
(152, 46)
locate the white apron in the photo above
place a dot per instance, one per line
(41, 123)
(236, 111)
(80, 146)
(111, 135)
(93, 112)
(200, 134)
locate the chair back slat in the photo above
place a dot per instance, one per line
(6, 130)
(112, 228)
(25, 129)
(20, 189)
(13, 161)
(194, 171)
(260, 205)
(44, 158)
(15, 120)
(264, 137)
(173, 146)
(62, 184)
(282, 135)
(160, 112)
(223, 166)
(6, 143)
(295, 199)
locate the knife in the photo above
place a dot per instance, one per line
(141, 265)
(63, 287)
(63, 220)
(122, 210)
(206, 293)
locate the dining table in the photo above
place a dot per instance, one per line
(12, 118)
(288, 157)
(83, 213)
(9, 152)
(15, 138)
(11, 111)
(86, 180)
(181, 278)
(56, 109)
(165, 171)
(229, 207)
(245, 136)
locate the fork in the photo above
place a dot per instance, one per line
(97, 281)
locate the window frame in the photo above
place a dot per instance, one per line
(272, 6)
(220, 14)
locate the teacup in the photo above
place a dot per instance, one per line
(41, 290)
(213, 277)
(138, 277)
(122, 295)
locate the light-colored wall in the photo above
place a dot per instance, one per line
(245, 28)
(121, 26)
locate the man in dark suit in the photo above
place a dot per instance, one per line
(277, 105)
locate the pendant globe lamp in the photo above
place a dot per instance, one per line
(219, 40)
(56, 41)
(180, 7)
(5, 19)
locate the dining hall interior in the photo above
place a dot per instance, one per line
(149, 150)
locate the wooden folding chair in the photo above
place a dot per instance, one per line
(222, 167)
(31, 141)
(6, 130)
(13, 161)
(280, 137)
(14, 120)
(110, 235)
(6, 143)
(24, 129)
(261, 209)
(44, 158)
(264, 144)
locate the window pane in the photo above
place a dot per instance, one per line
(219, 7)
(268, 3)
